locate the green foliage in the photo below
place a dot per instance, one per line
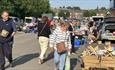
(69, 7)
(89, 13)
(86, 13)
(73, 8)
(22, 8)
(64, 13)
(103, 8)
(93, 12)
(76, 8)
(6, 5)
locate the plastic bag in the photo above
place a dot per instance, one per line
(67, 63)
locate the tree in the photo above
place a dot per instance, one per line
(69, 7)
(34, 7)
(6, 5)
(89, 13)
(64, 7)
(64, 13)
(103, 8)
(22, 8)
(76, 8)
(92, 13)
(86, 13)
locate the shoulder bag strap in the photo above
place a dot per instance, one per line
(43, 28)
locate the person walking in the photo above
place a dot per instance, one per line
(43, 36)
(72, 29)
(61, 36)
(7, 32)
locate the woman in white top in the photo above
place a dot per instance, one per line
(60, 34)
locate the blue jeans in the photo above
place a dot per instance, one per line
(60, 60)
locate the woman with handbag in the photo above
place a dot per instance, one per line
(60, 43)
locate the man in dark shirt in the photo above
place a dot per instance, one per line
(7, 32)
(43, 35)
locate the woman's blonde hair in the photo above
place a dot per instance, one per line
(64, 23)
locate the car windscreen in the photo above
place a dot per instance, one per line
(28, 20)
(98, 19)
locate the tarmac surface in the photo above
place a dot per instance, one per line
(26, 52)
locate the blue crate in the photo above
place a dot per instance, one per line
(77, 42)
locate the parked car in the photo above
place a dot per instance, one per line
(19, 23)
(108, 29)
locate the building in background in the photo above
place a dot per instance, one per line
(76, 14)
(112, 7)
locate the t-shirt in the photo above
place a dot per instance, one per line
(9, 26)
(43, 31)
(58, 36)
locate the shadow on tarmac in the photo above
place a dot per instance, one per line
(49, 57)
(73, 63)
(24, 59)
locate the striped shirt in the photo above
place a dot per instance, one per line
(58, 36)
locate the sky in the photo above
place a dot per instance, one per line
(84, 4)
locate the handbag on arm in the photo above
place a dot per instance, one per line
(61, 47)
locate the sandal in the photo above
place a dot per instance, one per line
(40, 61)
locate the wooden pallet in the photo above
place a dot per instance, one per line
(108, 62)
(94, 62)
(90, 61)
